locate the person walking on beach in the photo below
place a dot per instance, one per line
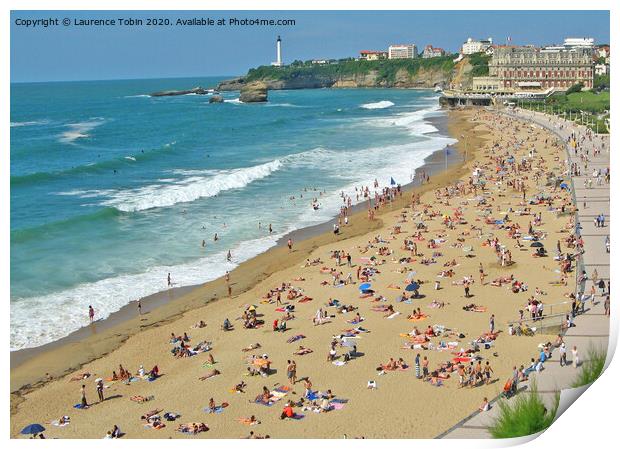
(492, 323)
(487, 373)
(139, 307)
(467, 295)
(91, 313)
(100, 390)
(83, 401)
(169, 280)
(417, 366)
(289, 243)
(291, 372)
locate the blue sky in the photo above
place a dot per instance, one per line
(87, 53)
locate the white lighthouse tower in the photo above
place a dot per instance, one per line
(278, 62)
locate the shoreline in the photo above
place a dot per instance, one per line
(67, 354)
(432, 165)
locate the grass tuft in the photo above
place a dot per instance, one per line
(592, 368)
(524, 415)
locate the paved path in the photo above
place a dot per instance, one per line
(592, 328)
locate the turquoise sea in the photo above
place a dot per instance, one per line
(112, 189)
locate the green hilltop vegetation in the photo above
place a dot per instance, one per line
(385, 69)
(480, 64)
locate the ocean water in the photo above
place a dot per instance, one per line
(111, 189)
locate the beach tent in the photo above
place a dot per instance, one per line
(365, 286)
(32, 429)
(392, 182)
(537, 245)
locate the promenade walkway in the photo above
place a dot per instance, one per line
(592, 328)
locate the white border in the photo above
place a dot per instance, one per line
(589, 422)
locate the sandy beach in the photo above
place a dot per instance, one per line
(461, 222)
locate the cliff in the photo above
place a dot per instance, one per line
(396, 73)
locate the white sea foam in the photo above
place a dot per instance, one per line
(412, 121)
(87, 193)
(234, 101)
(378, 105)
(201, 184)
(137, 96)
(39, 320)
(30, 123)
(283, 105)
(79, 130)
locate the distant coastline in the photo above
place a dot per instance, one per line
(349, 73)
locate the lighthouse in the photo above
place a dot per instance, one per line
(278, 62)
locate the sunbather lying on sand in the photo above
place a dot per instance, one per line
(251, 347)
(239, 388)
(251, 421)
(148, 415)
(211, 373)
(141, 399)
(80, 376)
(474, 308)
(193, 428)
(302, 351)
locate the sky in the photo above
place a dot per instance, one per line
(69, 53)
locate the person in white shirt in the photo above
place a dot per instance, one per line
(575, 357)
(563, 354)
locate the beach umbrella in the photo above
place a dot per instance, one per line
(365, 286)
(349, 343)
(537, 245)
(563, 186)
(32, 429)
(411, 275)
(412, 287)
(467, 249)
(98, 379)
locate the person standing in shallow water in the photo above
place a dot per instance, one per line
(91, 313)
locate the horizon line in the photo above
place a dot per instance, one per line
(124, 79)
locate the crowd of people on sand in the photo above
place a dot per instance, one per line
(463, 216)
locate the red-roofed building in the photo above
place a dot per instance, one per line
(433, 52)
